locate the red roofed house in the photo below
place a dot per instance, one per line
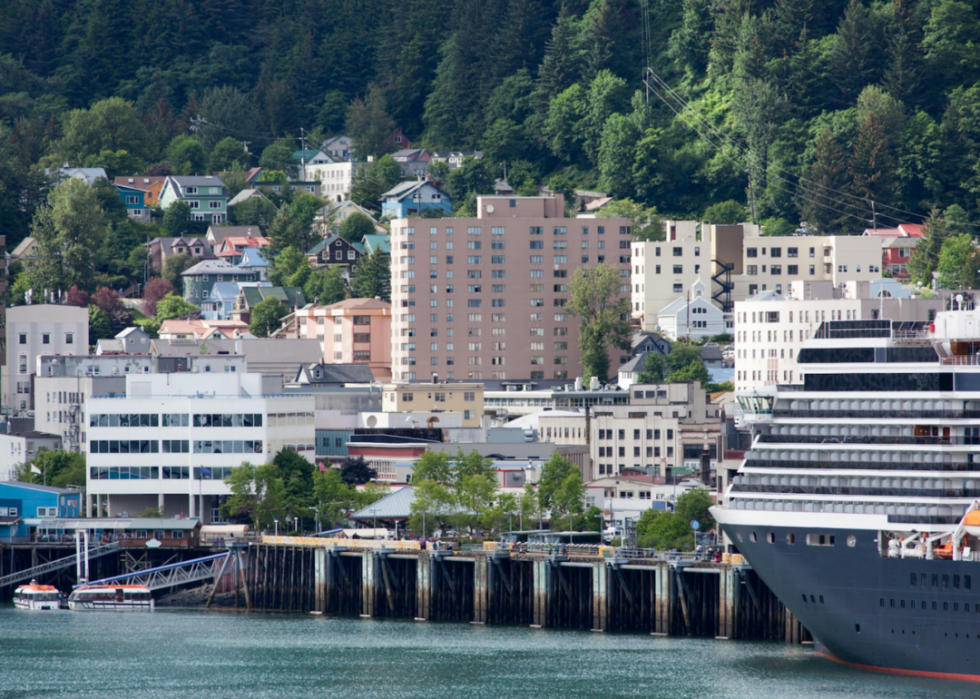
(233, 247)
(897, 246)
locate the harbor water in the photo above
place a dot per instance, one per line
(175, 654)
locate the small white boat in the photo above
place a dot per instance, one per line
(113, 598)
(34, 596)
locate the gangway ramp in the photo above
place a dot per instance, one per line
(58, 564)
(169, 575)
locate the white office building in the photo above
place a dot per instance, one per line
(335, 179)
(770, 328)
(173, 438)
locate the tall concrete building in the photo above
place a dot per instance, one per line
(772, 328)
(486, 297)
(735, 263)
(32, 331)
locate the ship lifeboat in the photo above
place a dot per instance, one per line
(971, 522)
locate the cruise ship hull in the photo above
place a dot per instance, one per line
(858, 605)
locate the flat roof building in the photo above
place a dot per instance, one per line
(486, 297)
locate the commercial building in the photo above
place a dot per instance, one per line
(335, 179)
(64, 384)
(663, 431)
(20, 502)
(171, 441)
(501, 281)
(771, 328)
(354, 331)
(32, 331)
(277, 360)
(463, 398)
(740, 263)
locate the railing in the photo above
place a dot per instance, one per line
(212, 395)
(924, 519)
(863, 465)
(170, 575)
(322, 542)
(960, 360)
(867, 439)
(886, 414)
(847, 490)
(58, 564)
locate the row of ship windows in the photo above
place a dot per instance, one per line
(811, 539)
(923, 581)
(924, 606)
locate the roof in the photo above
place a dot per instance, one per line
(768, 295)
(635, 364)
(334, 373)
(253, 257)
(243, 196)
(142, 182)
(670, 309)
(271, 357)
(23, 246)
(41, 488)
(398, 505)
(711, 354)
(121, 523)
(597, 203)
(212, 267)
(376, 242)
(640, 338)
(359, 304)
(903, 230)
(290, 295)
(197, 181)
(406, 189)
(129, 331)
(86, 174)
(224, 291)
(167, 245)
(109, 346)
(219, 233)
(530, 422)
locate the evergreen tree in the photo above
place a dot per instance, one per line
(871, 166)
(369, 124)
(372, 277)
(690, 44)
(903, 76)
(824, 178)
(851, 63)
(560, 68)
(608, 42)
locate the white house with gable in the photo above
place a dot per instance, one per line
(693, 316)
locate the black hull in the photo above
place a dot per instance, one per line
(866, 617)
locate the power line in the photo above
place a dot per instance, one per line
(686, 106)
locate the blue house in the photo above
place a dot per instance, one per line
(24, 505)
(135, 201)
(414, 197)
(253, 259)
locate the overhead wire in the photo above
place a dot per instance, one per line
(739, 149)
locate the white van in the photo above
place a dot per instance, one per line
(612, 533)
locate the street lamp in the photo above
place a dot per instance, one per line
(277, 526)
(316, 519)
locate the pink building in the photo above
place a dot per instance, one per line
(484, 298)
(355, 331)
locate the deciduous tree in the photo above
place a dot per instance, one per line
(603, 316)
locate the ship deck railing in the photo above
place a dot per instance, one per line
(866, 439)
(884, 414)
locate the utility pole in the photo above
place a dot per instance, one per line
(874, 217)
(302, 151)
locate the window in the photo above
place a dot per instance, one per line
(22, 339)
(751, 252)
(678, 269)
(46, 339)
(69, 338)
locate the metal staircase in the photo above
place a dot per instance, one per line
(59, 564)
(723, 278)
(169, 575)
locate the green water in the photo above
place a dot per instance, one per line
(178, 654)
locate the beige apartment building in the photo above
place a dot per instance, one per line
(772, 328)
(735, 262)
(353, 331)
(465, 399)
(663, 430)
(486, 297)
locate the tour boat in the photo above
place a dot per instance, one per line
(34, 596)
(117, 598)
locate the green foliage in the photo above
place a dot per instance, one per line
(290, 264)
(777, 227)
(187, 156)
(325, 286)
(227, 153)
(174, 268)
(369, 124)
(372, 278)
(459, 489)
(957, 263)
(355, 227)
(99, 325)
(646, 223)
(560, 490)
(266, 315)
(279, 156)
(371, 182)
(653, 369)
(169, 307)
(70, 232)
(726, 212)
(603, 317)
(177, 219)
(256, 211)
(58, 469)
(355, 471)
(693, 506)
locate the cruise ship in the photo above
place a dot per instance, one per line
(858, 502)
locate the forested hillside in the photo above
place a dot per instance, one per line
(865, 101)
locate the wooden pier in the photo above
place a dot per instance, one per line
(538, 589)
